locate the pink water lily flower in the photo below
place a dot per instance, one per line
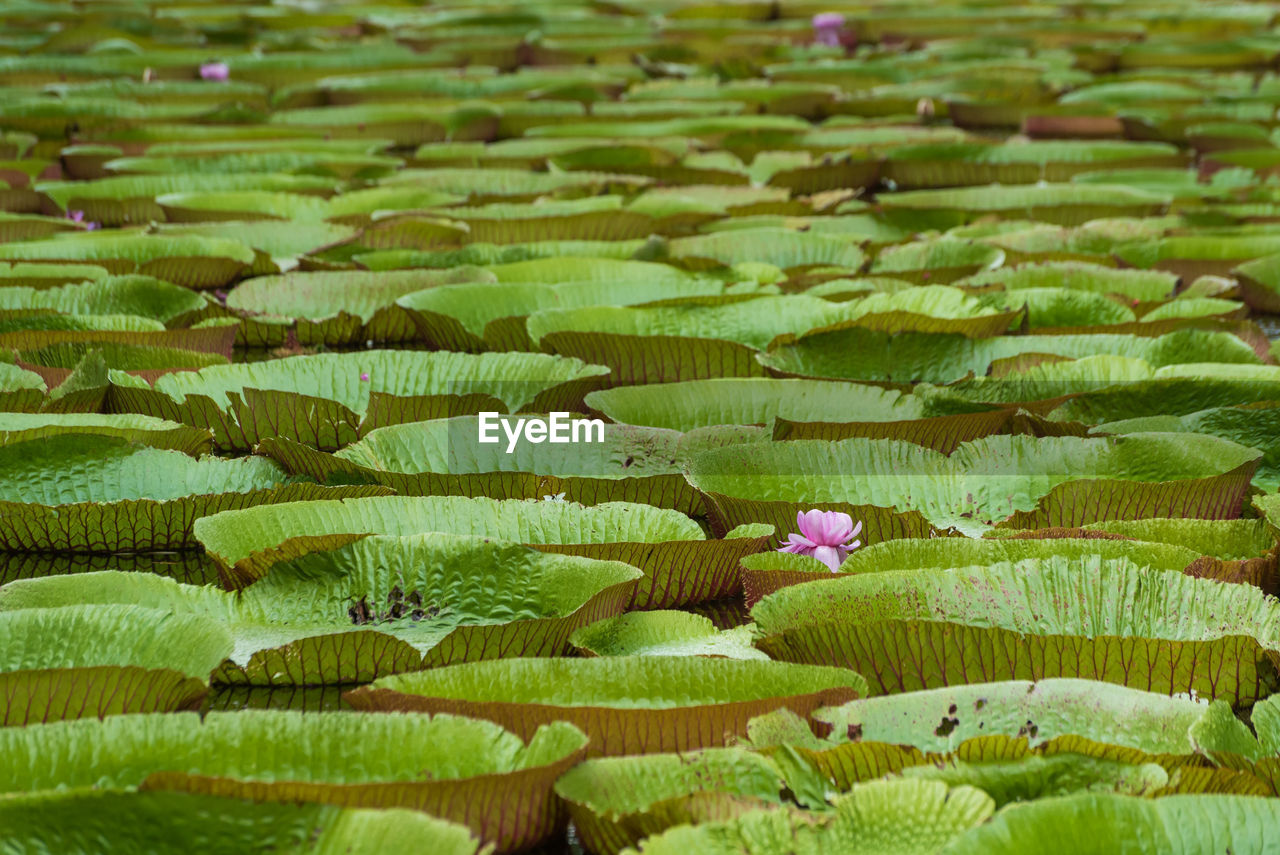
(214, 71)
(78, 217)
(364, 377)
(827, 27)
(824, 535)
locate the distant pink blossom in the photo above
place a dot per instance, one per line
(78, 217)
(824, 535)
(827, 27)
(364, 377)
(214, 71)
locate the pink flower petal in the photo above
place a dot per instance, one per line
(829, 556)
(214, 71)
(826, 28)
(827, 528)
(825, 535)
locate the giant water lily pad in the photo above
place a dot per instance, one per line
(466, 771)
(750, 401)
(1229, 540)
(596, 463)
(617, 801)
(664, 633)
(21, 390)
(1050, 711)
(277, 246)
(375, 606)
(98, 660)
(798, 409)
(1260, 758)
(938, 261)
(336, 307)
(1238, 550)
(165, 823)
(1258, 282)
(145, 430)
(84, 493)
(691, 340)
(1190, 256)
(944, 164)
(781, 247)
(766, 572)
(1050, 617)
(1098, 822)
(626, 705)
(477, 317)
(1142, 285)
(862, 354)
(128, 199)
(933, 309)
(193, 262)
(900, 817)
(1252, 425)
(680, 564)
(202, 160)
(187, 566)
(1022, 740)
(327, 400)
(904, 490)
(138, 296)
(1098, 389)
(1065, 204)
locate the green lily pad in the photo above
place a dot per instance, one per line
(333, 308)
(98, 660)
(903, 817)
(900, 489)
(680, 564)
(476, 456)
(325, 401)
(281, 757)
(664, 633)
(165, 823)
(615, 802)
(625, 704)
(1051, 617)
(375, 606)
(84, 493)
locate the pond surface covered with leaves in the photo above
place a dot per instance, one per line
(899, 470)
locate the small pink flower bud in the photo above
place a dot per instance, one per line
(826, 28)
(824, 535)
(214, 71)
